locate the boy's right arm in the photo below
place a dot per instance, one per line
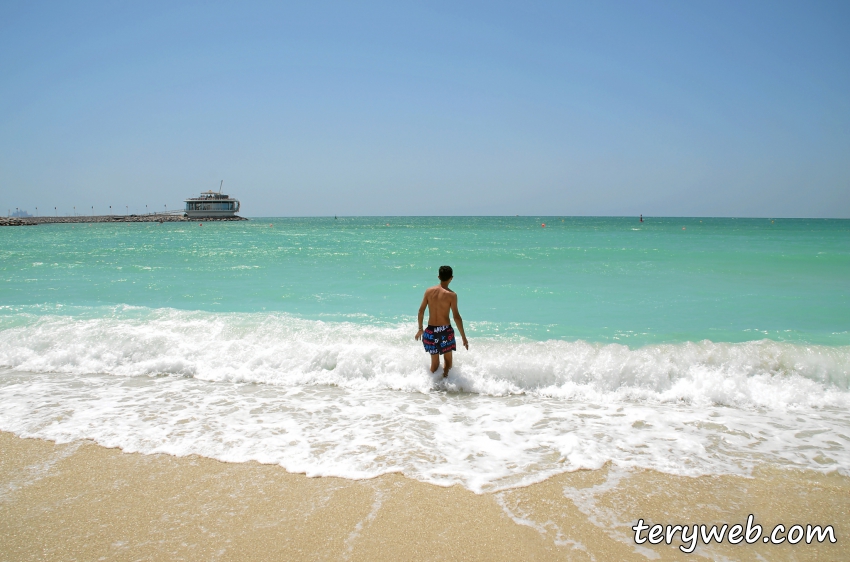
(459, 321)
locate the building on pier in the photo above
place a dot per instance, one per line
(211, 204)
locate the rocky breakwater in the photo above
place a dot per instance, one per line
(15, 221)
(161, 218)
(111, 218)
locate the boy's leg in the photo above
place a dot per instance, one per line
(447, 357)
(435, 363)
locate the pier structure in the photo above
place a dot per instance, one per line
(210, 206)
(153, 217)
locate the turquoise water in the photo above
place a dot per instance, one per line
(594, 279)
(688, 346)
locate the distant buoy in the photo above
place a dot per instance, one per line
(199, 224)
(683, 228)
(543, 225)
(271, 226)
(388, 224)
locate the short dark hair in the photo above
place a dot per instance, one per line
(445, 273)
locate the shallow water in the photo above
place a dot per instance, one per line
(682, 345)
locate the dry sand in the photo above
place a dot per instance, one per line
(80, 501)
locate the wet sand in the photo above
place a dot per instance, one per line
(80, 501)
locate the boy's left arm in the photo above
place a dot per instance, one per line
(421, 316)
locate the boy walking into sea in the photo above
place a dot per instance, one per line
(439, 337)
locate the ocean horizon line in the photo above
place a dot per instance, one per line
(637, 216)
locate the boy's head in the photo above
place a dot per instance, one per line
(445, 273)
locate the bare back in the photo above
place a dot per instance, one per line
(440, 301)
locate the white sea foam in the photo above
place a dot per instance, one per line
(356, 400)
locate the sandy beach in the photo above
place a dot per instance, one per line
(80, 501)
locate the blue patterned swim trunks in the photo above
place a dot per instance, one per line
(439, 339)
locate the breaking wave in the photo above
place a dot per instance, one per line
(355, 399)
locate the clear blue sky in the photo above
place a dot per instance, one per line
(543, 108)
